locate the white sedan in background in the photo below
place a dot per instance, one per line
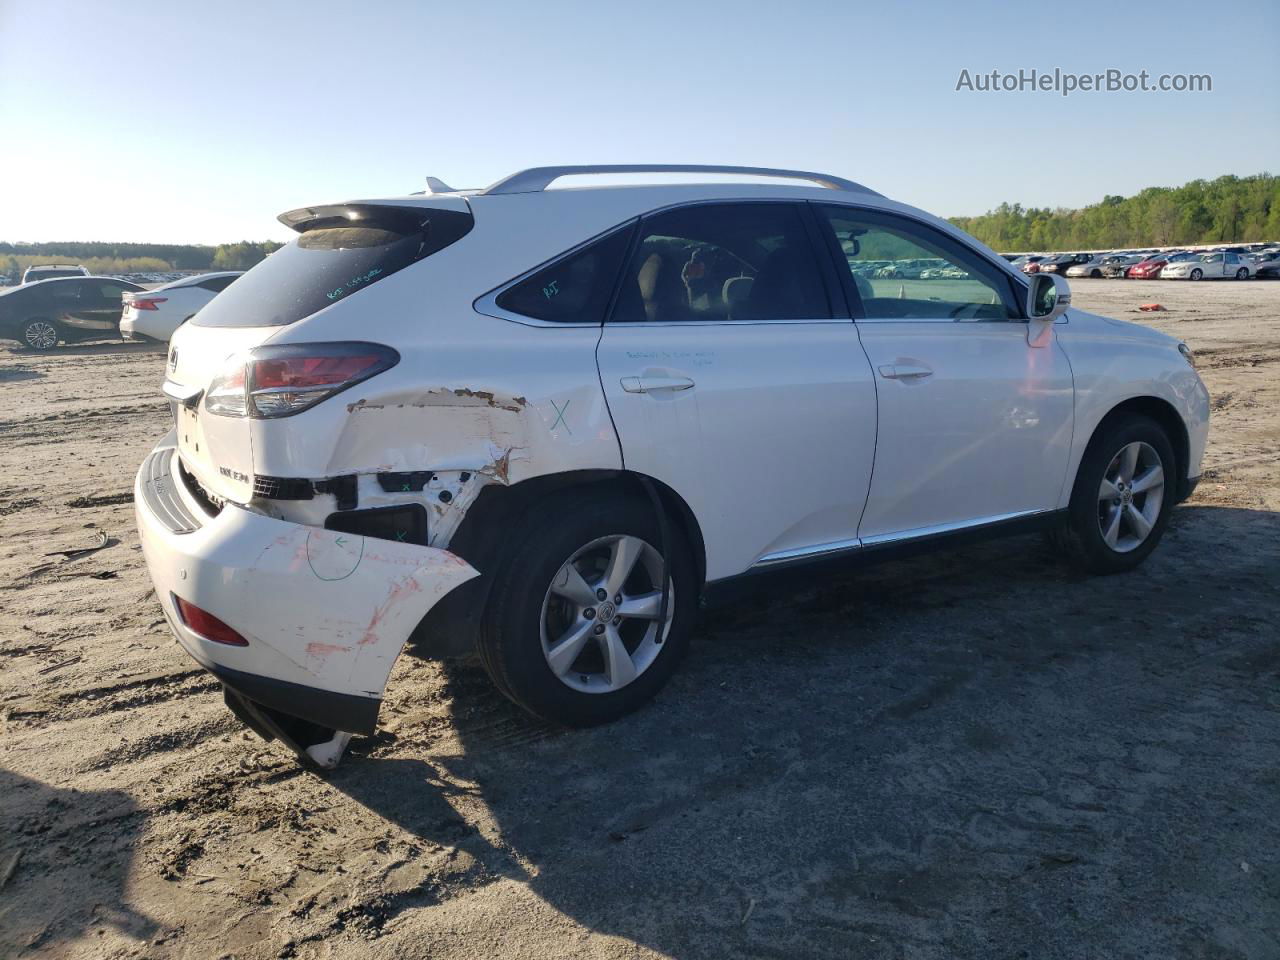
(156, 314)
(1209, 266)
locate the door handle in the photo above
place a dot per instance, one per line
(654, 384)
(905, 371)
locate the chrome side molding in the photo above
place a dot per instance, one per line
(883, 539)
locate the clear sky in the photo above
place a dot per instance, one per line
(176, 121)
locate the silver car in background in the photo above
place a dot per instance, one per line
(1209, 266)
(1092, 267)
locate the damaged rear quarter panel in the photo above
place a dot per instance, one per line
(472, 394)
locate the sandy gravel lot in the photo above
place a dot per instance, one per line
(976, 754)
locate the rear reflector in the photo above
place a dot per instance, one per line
(206, 624)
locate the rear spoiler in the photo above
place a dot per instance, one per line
(399, 215)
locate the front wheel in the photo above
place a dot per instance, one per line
(39, 334)
(1123, 496)
(574, 630)
(1197, 273)
(1096, 275)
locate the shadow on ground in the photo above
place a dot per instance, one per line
(974, 754)
(59, 836)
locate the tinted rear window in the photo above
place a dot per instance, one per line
(573, 289)
(216, 284)
(333, 260)
(34, 275)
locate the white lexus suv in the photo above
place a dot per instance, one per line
(545, 424)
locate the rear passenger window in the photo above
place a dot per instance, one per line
(722, 262)
(573, 289)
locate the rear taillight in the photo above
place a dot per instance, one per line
(277, 381)
(145, 303)
(206, 624)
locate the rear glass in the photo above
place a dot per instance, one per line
(34, 275)
(332, 261)
(216, 284)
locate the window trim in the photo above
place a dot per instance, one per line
(836, 304)
(487, 304)
(1014, 290)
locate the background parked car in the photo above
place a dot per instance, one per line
(1209, 266)
(1269, 270)
(1119, 267)
(51, 270)
(1149, 269)
(156, 314)
(1092, 267)
(1032, 264)
(40, 314)
(1062, 262)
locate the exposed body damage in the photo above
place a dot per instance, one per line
(323, 614)
(463, 440)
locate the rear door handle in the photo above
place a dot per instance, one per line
(654, 384)
(905, 371)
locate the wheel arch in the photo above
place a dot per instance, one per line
(1163, 413)
(451, 627)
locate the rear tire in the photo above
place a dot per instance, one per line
(1124, 494)
(537, 608)
(1242, 273)
(39, 334)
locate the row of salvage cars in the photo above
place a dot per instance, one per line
(75, 306)
(1233, 263)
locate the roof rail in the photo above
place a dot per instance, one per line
(539, 178)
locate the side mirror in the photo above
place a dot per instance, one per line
(1048, 297)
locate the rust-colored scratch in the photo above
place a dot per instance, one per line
(502, 467)
(317, 649)
(398, 592)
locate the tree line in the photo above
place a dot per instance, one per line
(1228, 209)
(101, 257)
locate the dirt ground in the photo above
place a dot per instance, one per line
(976, 754)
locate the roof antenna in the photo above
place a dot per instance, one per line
(436, 185)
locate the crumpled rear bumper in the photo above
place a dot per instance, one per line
(325, 614)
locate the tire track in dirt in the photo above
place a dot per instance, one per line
(40, 710)
(153, 748)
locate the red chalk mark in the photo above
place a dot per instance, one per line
(399, 591)
(317, 649)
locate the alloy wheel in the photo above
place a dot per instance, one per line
(40, 335)
(1130, 497)
(599, 625)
